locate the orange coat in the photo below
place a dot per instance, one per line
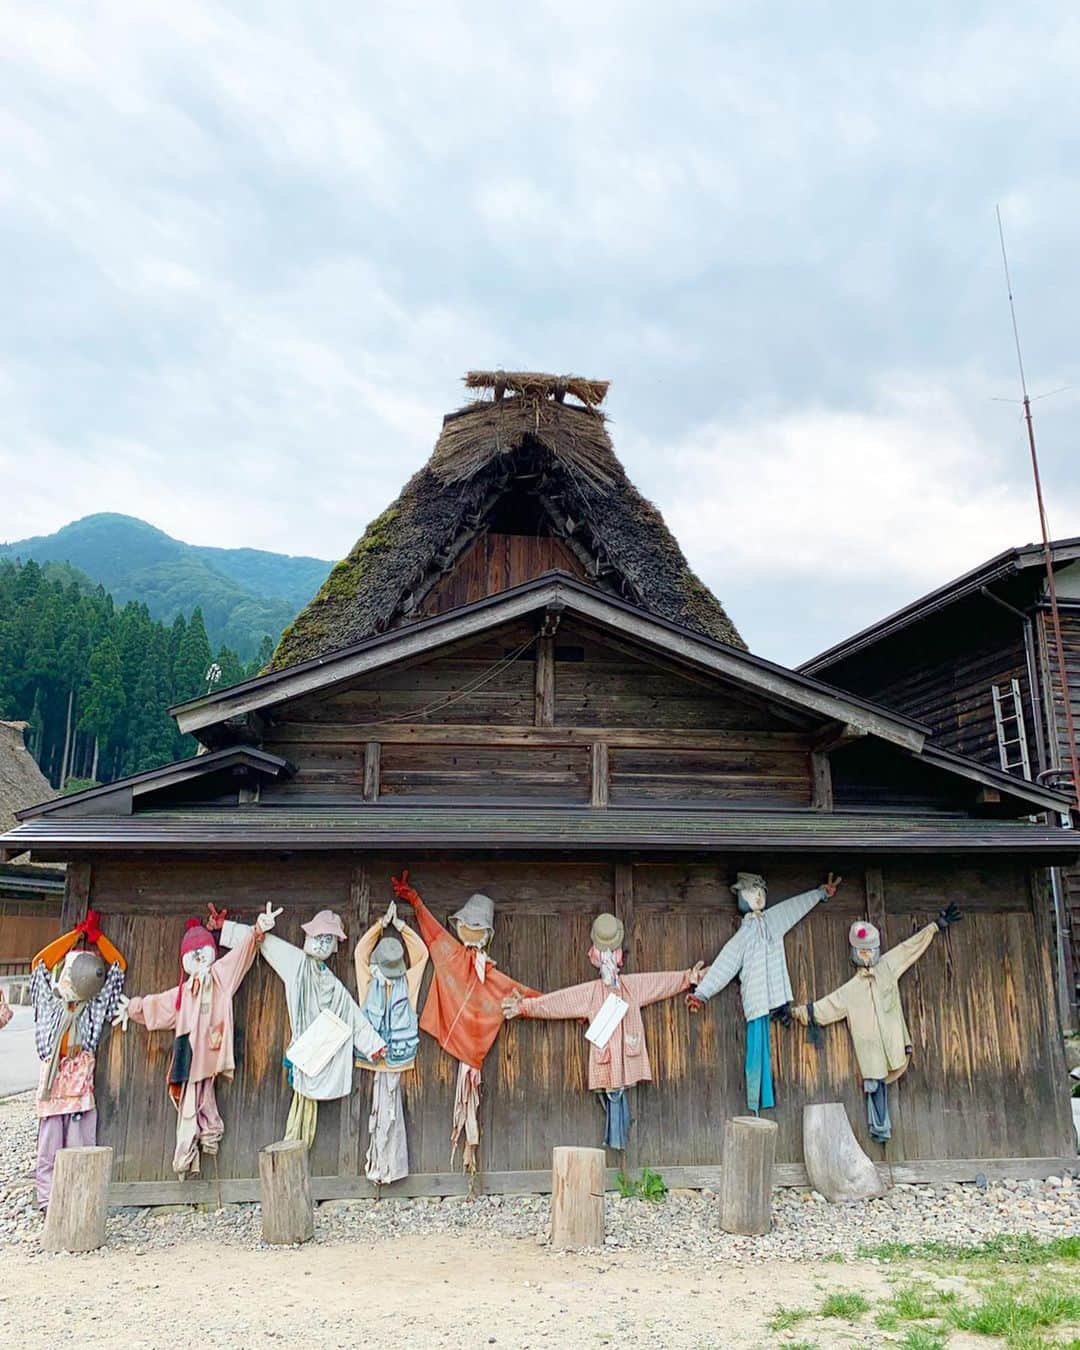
(462, 1013)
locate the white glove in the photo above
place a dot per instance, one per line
(265, 921)
(390, 917)
(122, 1014)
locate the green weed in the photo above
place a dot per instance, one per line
(914, 1303)
(848, 1306)
(783, 1319)
(649, 1186)
(1008, 1312)
(1019, 1249)
(923, 1338)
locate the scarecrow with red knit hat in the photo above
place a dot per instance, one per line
(199, 1011)
(326, 1021)
(76, 985)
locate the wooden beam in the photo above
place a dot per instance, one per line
(599, 762)
(372, 759)
(545, 681)
(987, 796)
(821, 797)
(634, 738)
(623, 898)
(77, 882)
(245, 1189)
(836, 735)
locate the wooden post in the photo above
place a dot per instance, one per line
(599, 796)
(577, 1197)
(836, 1165)
(822, 795)
(746, 1175)
(75, 1221)
(545, 681)
(77, 883)
(875, 899)
(288, 1215)
(372, 760)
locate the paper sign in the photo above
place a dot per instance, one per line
(603, 1025)
(314, 1048)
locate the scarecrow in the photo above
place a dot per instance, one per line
(200, 1013)
(325, 1020)
(756, 954)
(464, 1004)
(388, 991)
(76, 984)
(612, 1004)
(870, 1002)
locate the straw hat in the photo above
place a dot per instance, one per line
(607, 932)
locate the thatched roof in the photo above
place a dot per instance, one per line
(21, 781)
(525, 438)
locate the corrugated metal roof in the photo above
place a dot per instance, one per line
(261, 828)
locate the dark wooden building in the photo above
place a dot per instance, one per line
(975, 661)
(515, 684)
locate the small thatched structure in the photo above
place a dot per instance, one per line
(21, 781)
(30, 892)
(522, 461)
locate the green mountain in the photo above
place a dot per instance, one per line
(244, 593)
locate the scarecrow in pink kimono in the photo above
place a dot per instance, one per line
(199, 1011)
(463, 1010)
(76, 984)
(618, 1056)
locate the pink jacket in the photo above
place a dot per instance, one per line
(624, 1061)
(205, 1013)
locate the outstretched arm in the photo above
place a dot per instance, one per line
(430, 928)
(724, 968)
(575, 1001)
(831, 1008)
(654, 986)
(787, 913)
(906, 953)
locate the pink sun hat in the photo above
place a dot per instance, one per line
(326, 921)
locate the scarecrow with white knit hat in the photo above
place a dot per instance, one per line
(612, 1004)
(756, 954)
(870, 1004)
(326, 1021)
(388, 991)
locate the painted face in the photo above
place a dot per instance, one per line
(754, 897)
(322, 946)
(199, 961)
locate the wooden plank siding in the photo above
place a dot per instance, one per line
(495, 562)
(983, 1084)
(25, 927)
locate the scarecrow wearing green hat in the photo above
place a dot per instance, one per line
(612, 1004)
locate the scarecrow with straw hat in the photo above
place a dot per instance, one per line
(464, 1004)
(76, 984)
(612, 1004)
(199, 1011)
(870, 1004)
(325, 1020)
(388, 991)
(756, 954)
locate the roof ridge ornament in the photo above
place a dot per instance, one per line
(537, 386)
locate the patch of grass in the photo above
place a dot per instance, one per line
(923, 1338)
(783, 1319)
(1013, 1312)
(913, 1303)
(649, 1186)
(801, 1345)
(848, 1306)
(1019, 1249)
(834, 1258)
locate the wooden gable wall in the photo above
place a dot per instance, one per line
(578, 718)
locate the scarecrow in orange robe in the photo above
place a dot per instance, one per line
(464, 1004)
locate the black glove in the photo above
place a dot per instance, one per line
(814, 1034)
(950, 914)
(782, 1014)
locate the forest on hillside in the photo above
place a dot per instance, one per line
(95, 680)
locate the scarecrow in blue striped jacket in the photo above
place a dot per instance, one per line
(756, 955)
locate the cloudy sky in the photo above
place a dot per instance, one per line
(247, 252)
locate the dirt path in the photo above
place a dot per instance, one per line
(404, 1293)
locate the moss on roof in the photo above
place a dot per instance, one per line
(473, 462)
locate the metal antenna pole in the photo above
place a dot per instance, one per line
(1048, 558)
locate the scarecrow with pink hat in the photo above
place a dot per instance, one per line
(327, 1023)
(199, 1011)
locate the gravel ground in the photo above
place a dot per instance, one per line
(805, 1226)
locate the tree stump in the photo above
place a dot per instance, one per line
(75, 1220)
(835, 1163)
(288, 1215)
(577, 1197)
(746, 1175)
